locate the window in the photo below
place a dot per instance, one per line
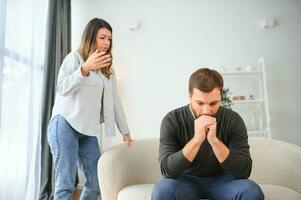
(22, 47)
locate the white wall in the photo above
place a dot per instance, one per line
(176, 37)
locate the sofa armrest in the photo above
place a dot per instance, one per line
(276, 162)
(121, 166)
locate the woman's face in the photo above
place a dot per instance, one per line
(103, 39)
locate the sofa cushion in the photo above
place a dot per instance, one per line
(144, 191)
(135, 192)
(276, 192)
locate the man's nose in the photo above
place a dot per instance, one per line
(206, 110)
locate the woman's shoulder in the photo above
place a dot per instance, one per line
(74, 55)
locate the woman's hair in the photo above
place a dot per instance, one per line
(88, 41)
(205, 80)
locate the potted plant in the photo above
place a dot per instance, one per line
(226, 101)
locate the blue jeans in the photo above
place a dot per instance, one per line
(187, 187)
(69, 148)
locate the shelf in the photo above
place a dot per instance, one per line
(248, 83)
(241, 73)
(247, 101)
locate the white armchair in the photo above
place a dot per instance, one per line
(130, 173)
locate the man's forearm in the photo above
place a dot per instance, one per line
(191, 149)
(220, 150)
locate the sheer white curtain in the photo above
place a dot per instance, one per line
(23, 28)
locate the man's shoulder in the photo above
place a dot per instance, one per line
(228, 113)
(228, 116)
(175, 119)
(175, 113)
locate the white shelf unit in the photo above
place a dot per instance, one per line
(247, 101)
(254, 111)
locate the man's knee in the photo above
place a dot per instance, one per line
(250, 190)
(174, 189)
(164, 189)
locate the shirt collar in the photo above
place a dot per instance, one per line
(190, 108)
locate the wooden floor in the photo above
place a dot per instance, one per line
(76, 194)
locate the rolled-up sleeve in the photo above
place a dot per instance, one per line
(120, 116)
(239, 162)
(70, 78)
(171, 158)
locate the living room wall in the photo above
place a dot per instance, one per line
(159, 43)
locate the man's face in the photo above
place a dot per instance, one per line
(205, 103)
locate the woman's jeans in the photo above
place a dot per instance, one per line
(69, 148)
(187, 187)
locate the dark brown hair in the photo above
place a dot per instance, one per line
(88, 41)
(205, 80)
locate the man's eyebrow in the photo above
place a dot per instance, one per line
(215, 101)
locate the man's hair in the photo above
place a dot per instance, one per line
(88, 40)
(205, 80)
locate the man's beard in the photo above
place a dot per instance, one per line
(202, 114)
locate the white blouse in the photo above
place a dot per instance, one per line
(79, 99)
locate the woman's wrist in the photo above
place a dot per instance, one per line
(84, 70)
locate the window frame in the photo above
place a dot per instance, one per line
(3, 10)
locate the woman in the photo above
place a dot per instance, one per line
(86, 97)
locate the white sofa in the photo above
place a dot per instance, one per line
(130, 173)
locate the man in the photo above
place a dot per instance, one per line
(204, 150)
